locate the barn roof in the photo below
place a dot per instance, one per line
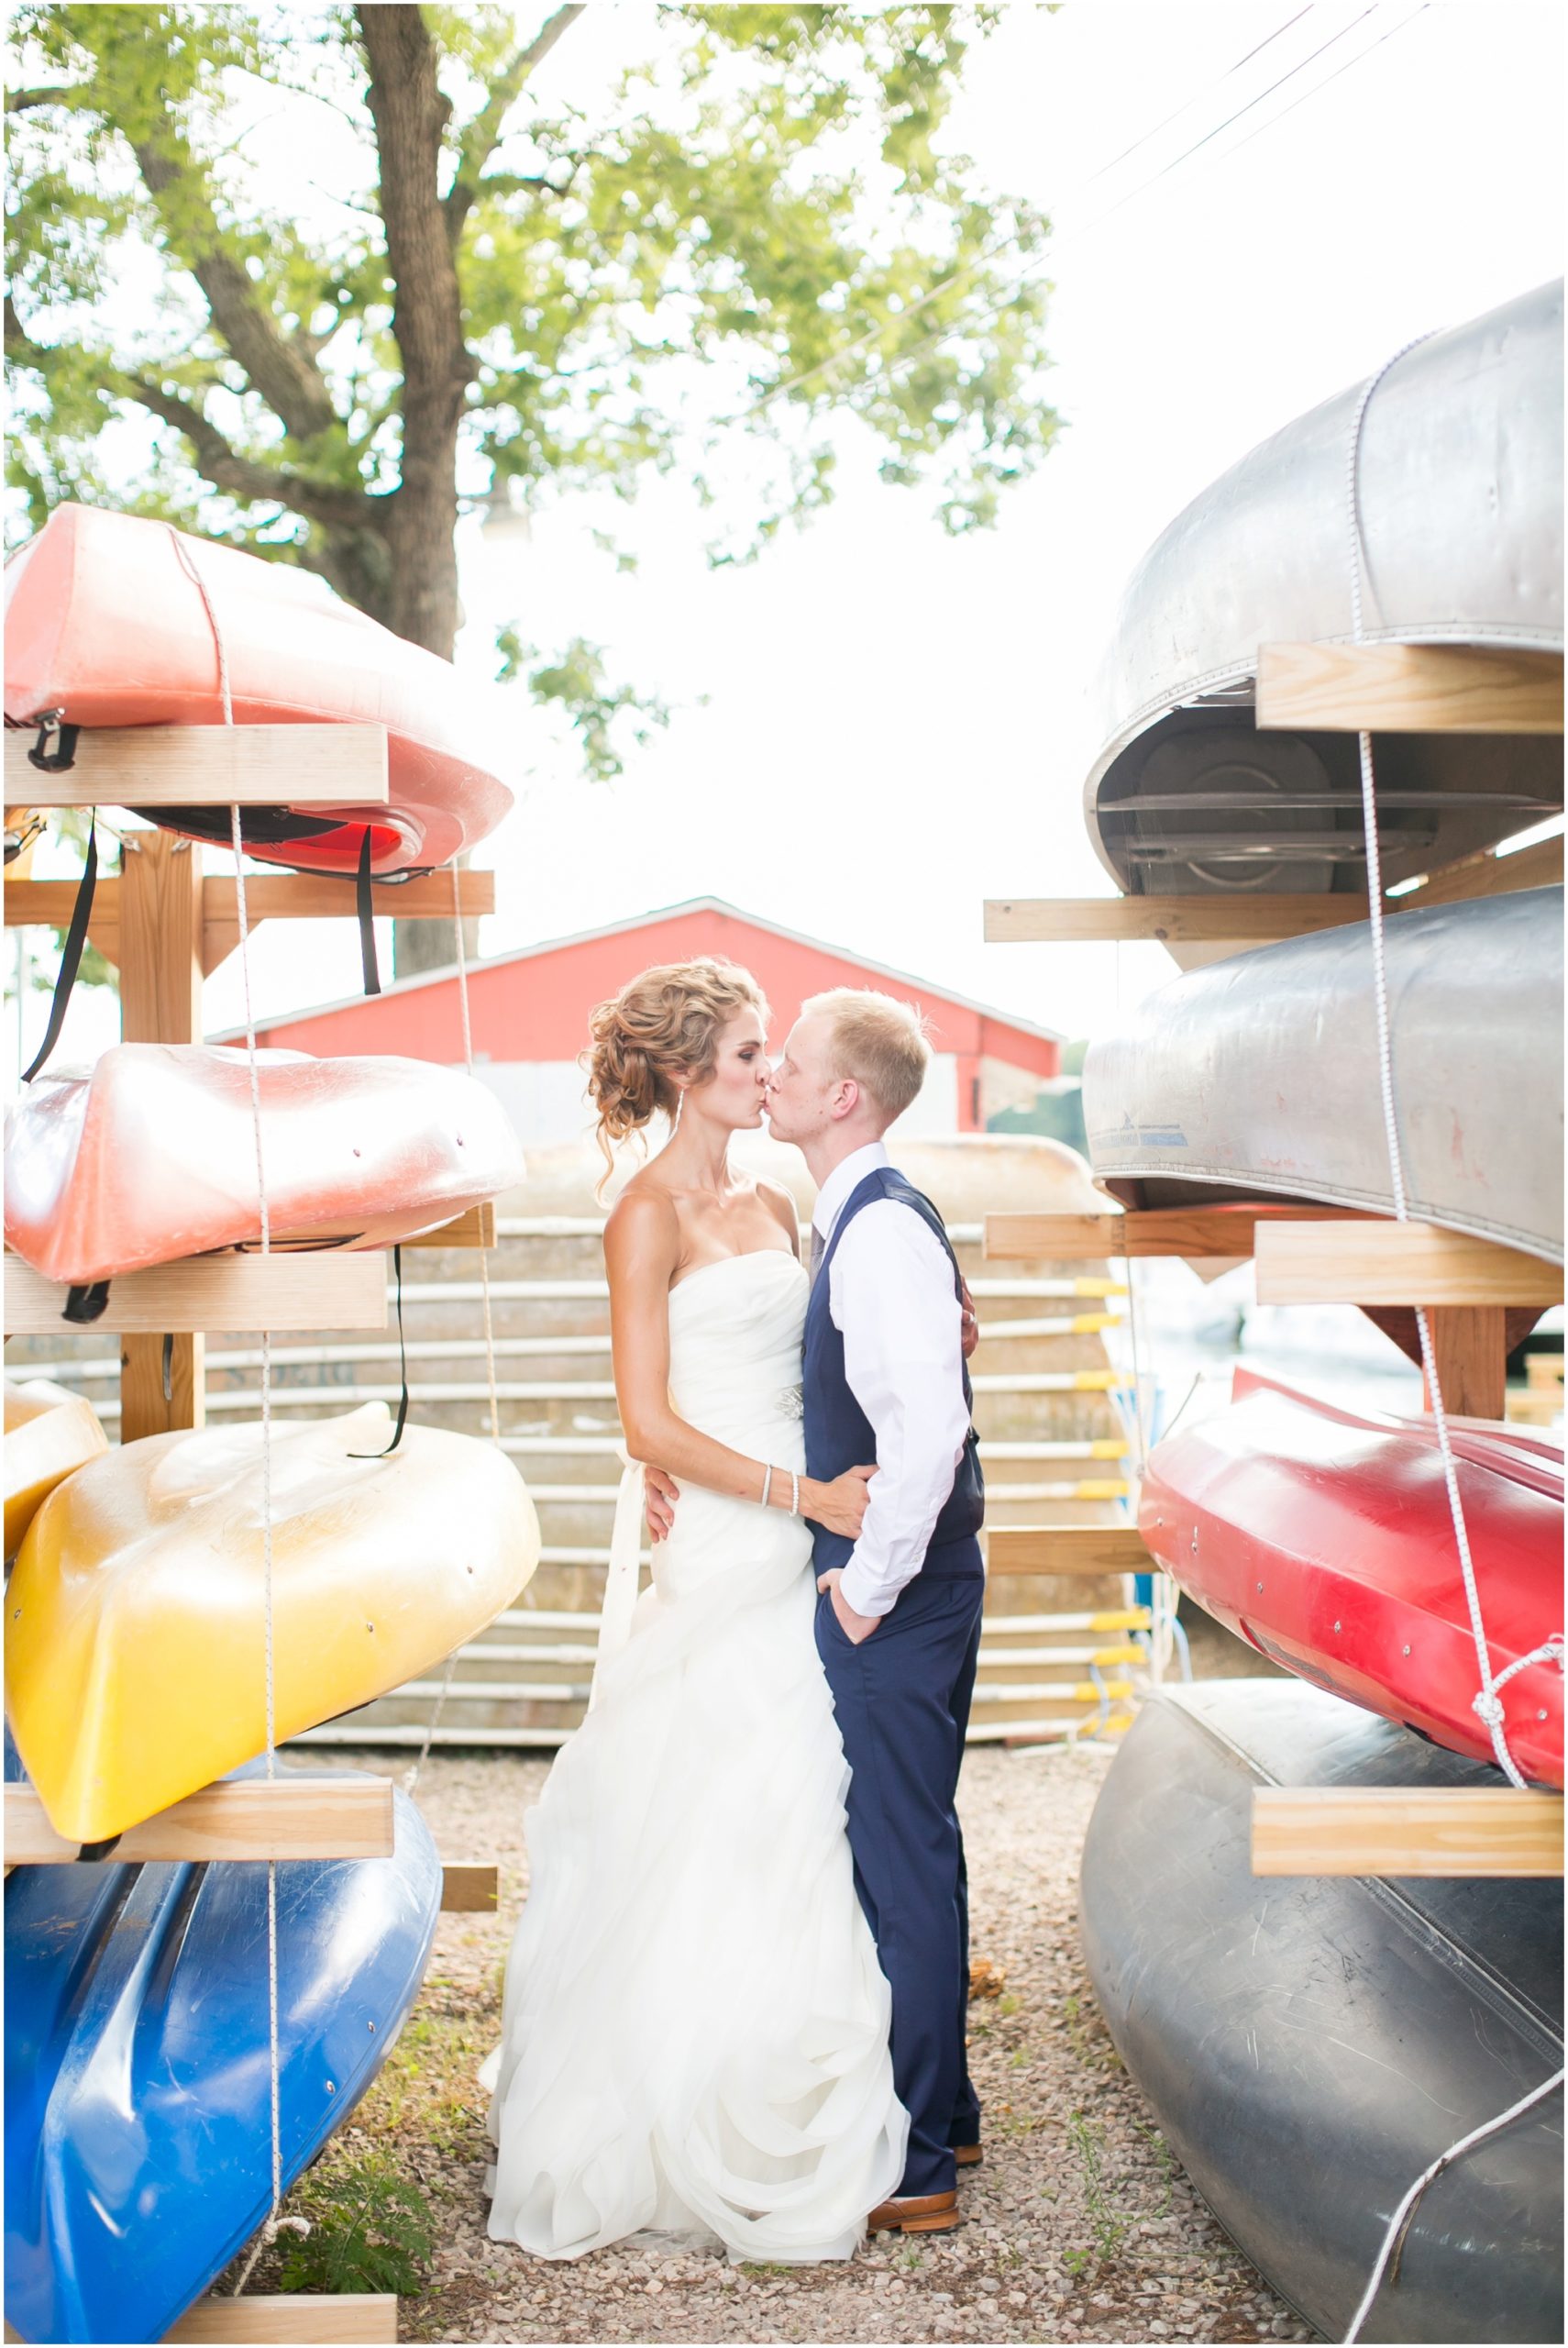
(487, 969)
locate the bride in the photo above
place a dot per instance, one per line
(695, 2030)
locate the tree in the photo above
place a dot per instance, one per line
(753, 237)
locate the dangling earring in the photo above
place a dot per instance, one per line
(679, 1104)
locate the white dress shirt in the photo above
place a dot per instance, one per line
(892, 1296)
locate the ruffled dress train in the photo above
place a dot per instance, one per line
(695, 2032)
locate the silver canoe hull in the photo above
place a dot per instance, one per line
(1462, 496)
(1258, 1076)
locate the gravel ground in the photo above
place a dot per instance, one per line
(1080, 2226)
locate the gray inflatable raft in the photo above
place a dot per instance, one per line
(1461, 501)
(1258, 1076)
(1310, 2044)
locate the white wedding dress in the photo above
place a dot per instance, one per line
(695, 2034)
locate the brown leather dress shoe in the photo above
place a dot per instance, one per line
(968, 2156)
(915, 2213)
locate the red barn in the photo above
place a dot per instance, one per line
(529, 1011)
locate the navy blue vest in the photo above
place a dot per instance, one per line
(838, 1433)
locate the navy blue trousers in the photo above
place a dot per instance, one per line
(903, 1699)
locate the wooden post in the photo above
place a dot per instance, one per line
(1470, 1352)
(160, 1003)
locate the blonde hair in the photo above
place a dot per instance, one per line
(663, 1024)
(882, 1042)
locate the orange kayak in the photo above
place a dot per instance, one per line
(105, 623)
(48, 1434)
(152, 1155)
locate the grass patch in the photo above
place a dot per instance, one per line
(1109, 2222)
(371, 2229)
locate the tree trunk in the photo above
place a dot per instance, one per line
(410, 115)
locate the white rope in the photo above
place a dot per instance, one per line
(1487, 1703)
(1409, 2199)
(411, 1776)
(268, 2233)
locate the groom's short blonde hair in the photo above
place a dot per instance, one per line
(879, 1041)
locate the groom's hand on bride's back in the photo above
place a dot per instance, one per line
(969, 1327)
(660, 1493)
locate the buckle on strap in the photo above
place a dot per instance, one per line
(61, 756)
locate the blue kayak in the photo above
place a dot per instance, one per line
(138, 2135)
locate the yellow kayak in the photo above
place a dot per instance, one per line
(135, 1648)
(48, 1434)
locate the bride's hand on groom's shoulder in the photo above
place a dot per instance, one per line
(660, 1493)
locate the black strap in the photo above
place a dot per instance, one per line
(62, 758)
(402, 1370)
(363, 904)
(86, 1303)
(71, 959)
(168, 1366)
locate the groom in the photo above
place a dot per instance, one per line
(899, 1610)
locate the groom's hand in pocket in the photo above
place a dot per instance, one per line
(660, 1493)
(856, 1627)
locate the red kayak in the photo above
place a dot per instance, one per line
(105, 623)
(1323, 1537)
(153, 1157)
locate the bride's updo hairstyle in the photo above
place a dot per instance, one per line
(662, 1025)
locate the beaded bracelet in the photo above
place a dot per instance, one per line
(794, 1494)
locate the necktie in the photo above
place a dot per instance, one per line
(816, 1257)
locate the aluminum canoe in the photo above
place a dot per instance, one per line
(137, 2076)
(151, 1156)
(1462, 499)
(1323, 1537)
(1309, 2044)
(105, 622)
(1258, 1076)
(134, 1630)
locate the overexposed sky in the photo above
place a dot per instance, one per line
(875, 726)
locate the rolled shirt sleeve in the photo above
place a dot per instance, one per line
(891, 1294)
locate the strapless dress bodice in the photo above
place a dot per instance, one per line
(735, 1343)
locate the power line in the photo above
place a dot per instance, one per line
(1217, 84)
(1361, 53)
(904, 358)
(998, 244)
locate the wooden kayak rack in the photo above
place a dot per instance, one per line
(166, 927)
(1314, 1255)
(1469, 1286)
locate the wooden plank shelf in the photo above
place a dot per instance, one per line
(1408, 689)
(1203, 919)
(1391, 1831)
(475, 1227)
(337, 1290)
(297, 1816)
(1227, 1231)
(1383, 1262)
(1199, 919)
(1487, 874)
(470, 1887)
(206, 766)
(284, 2317)
(278, 2319)
(1067, 1549)
(270, 896)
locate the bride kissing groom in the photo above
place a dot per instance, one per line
(734, 2006)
